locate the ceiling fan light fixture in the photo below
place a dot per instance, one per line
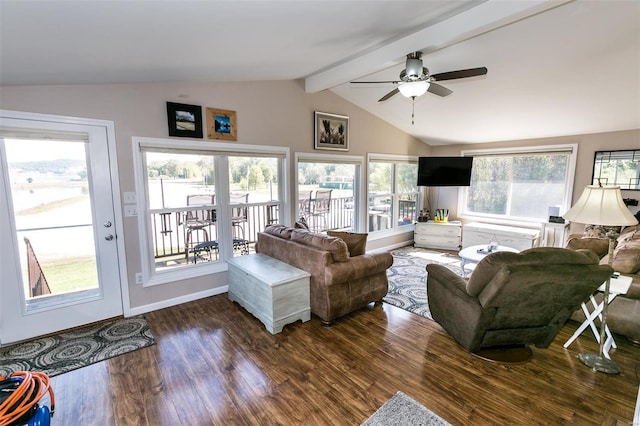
(413, 89)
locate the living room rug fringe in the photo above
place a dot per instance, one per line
(78, 348)
(402, 410)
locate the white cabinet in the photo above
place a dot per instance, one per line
(438, 235)
(482, 233)
(554, 234)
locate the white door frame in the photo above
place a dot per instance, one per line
(7, 252)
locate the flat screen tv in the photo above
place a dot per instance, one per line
(444, 171)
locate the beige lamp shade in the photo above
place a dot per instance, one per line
(601, 205)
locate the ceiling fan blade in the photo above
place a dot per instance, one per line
(453, 75)
(372, 82)
(436, 89)
(388, 95)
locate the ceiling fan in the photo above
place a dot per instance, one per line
(415, 79)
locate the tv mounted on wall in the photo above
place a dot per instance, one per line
(444, 171)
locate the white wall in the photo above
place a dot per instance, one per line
(268, 113)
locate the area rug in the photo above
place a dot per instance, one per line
(403, 410)
(68, 351)
(408, 277)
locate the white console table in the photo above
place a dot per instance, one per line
(438, 235)
(274, 292)
(482, 233)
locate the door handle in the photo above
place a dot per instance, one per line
(107, 224)
(109, 237)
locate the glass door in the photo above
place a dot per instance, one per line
(62, 268)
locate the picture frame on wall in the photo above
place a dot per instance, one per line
(222, 124)
(331, 131)
(184, 120)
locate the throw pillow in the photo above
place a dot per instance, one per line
(335, 246)
(356, 243)
(626, 256)
(594, 231)
(301, 224)
(598, 231)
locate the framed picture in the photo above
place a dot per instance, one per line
(221, 124)
(184, 120)
(331, 131)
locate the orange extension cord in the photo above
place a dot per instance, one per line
(33, 387)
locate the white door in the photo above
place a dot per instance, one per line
(59, 263)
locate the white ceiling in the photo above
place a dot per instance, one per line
(556, 67)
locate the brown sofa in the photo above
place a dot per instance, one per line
(623, 315)
(343, 277)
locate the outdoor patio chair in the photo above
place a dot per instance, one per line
(198, 220)
(320, 208)
(239, 214)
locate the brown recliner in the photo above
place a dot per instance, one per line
(513, 298)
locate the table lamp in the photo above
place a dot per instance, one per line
(602, 205)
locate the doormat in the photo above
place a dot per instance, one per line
(402, 410)
(74, 349)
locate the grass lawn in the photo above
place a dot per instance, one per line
(70, 274)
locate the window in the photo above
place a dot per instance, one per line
(203, 205)
(621, 168)
(328, 191)
(393, 194)
(520, 185)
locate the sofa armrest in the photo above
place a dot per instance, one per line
(634, 290)
(598, 245)
(357, 267)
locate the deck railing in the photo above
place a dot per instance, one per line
(172, 230)
(171, 227)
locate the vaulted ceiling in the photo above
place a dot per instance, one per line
(555, 67)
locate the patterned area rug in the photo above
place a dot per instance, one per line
(403, 410)
(64, 352)
(408, 277)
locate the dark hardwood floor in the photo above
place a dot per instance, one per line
(215, 364)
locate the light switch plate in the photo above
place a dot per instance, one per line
(130, 210)
(129, 197)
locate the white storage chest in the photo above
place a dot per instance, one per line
(274, 292)
(483, 233)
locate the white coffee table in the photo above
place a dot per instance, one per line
(618, 286)
(474, 254)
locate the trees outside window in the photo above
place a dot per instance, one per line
(521, 185)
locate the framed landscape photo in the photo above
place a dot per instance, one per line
(221, 124)
(331, 131)
(184, 120)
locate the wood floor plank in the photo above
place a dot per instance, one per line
(215, 364)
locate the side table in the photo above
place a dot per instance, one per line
(475, 254)
(619, 285)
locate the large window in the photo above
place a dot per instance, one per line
(520, 185)
(393, 194)
(204, 205)
(328, 191)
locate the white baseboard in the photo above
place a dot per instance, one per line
(139, 310)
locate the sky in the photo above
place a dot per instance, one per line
(34, 150)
